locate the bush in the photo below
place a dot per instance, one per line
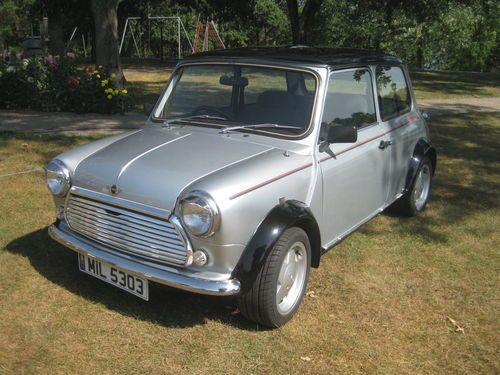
(56, 84)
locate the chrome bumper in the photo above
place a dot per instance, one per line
(191, 284)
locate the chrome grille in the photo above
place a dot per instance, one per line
(126, 230)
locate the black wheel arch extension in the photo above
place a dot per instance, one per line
(422, 149)
(285, 215)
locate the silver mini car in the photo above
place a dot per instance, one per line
(253, 163)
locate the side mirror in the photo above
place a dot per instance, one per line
(148, 108)
(341, 134)
(425, 115)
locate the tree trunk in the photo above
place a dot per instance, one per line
(420, 54)
(106, 36)
(307, 19)
(302, 24)
(293, 15)
(92, 40)
(56, 32)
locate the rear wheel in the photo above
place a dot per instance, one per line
(278, 290)
(415, 200)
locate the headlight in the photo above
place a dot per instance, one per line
(58, 178)
(199, 214)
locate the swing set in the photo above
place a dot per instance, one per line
(144, 42)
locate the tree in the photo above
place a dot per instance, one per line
(270, 23)
(63, 17)
(104, 13)
(16, 17)
(55, 14)
(302, 23)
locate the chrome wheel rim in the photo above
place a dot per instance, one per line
(422, 187)
(291, 278)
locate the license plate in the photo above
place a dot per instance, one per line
(114, 276)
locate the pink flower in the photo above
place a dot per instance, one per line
(71, 55)
(50, 61)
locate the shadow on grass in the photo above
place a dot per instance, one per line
(454, 83)
(167, 306)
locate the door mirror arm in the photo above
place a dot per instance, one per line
(324, 146)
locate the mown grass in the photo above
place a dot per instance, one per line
(147, 82)
(448, 85)
(381, 301)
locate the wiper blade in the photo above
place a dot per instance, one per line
(170, 121)
(258, 126)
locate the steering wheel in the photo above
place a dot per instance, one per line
(207, 110)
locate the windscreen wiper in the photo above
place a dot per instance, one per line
(170, 121)
(258, 126)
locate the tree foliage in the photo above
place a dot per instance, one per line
(436, 34)
(15, 18)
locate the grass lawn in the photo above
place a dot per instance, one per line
(448, 85)
(382, 300)
(146, 83)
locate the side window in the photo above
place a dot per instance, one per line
(349, 99)
(393, 94)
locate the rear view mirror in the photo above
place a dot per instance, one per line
(233, 81)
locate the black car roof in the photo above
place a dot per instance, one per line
(314, 55)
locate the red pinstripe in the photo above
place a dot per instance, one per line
(407, 121)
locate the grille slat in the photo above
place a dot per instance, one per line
(145, 219)
(111, 221)
(103, 237)
(113, 231)
(125, 230)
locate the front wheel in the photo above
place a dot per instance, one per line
(278, 290)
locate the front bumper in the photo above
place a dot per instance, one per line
(180, 281)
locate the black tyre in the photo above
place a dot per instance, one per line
(415, 200)
(279, 288)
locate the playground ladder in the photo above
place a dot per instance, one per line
(211, 34)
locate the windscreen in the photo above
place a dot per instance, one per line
(241, 95)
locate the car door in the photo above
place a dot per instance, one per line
(356, 175)
(401, 120)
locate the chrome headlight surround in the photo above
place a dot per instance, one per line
(58, 178)
(199, 214)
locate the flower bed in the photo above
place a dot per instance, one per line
(50, 83)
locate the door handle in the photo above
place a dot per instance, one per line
(384, 144)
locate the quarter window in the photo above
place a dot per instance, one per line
(349, 100)
(393, 94)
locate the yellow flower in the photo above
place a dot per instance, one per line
(100, 66)
(110, 97)
(124, 91)
(113, 75)
(98, 76)
(116, 92)
(104, 82)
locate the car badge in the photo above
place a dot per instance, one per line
(113, 189)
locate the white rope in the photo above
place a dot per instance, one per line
(22, 172)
